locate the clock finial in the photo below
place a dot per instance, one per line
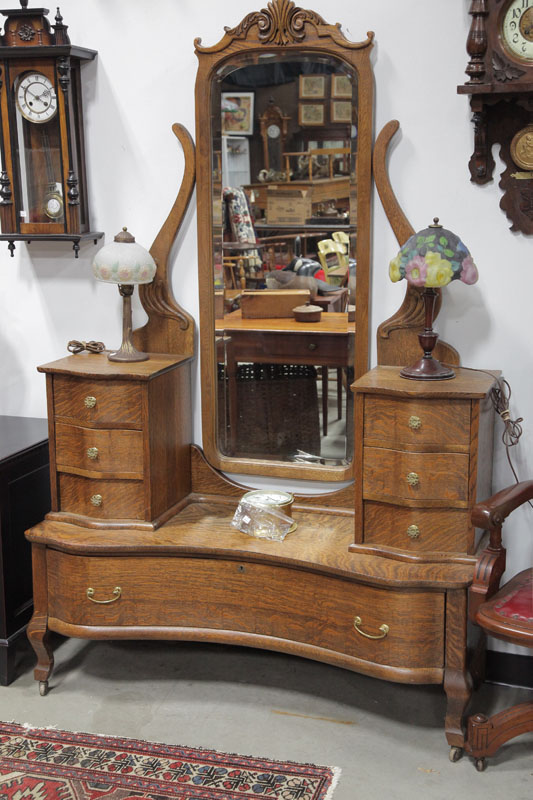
(24, 3)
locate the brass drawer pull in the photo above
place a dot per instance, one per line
(89, 401)
(92, 453)
(117, 591)
(413, 532)
(383, 628)
(96, 499)
(312, 346)
(413, 479)
(414, 422)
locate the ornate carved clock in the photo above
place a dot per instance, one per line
(43, 190)
(500, 46)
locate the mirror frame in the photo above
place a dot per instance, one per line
(281, 28)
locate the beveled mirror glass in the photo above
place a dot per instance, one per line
(284, 110)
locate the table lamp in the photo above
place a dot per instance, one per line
(431, 259)
(126, 263)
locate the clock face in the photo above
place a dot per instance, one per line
(273, 131)
(517, 29)
(36, 97)
(53, 207)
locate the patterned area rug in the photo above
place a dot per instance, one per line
(47, 764)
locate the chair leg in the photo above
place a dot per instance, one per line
(324, 371)
(485, 736)
(339, 392)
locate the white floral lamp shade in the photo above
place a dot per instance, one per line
(124, 261)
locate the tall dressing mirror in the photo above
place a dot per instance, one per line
(284, 109)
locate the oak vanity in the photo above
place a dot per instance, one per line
(139, 543)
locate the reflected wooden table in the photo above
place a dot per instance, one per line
(324, 344)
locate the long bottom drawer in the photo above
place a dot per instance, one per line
(402, 628)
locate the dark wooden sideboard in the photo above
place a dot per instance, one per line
(24, 500)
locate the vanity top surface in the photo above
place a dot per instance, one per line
(203, 530)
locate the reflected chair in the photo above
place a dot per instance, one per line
(241, 258)
(333, 257)
(245, 255)
(505, 613)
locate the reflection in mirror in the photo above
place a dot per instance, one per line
(284, 223)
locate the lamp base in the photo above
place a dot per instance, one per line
(128, 354)
(427, 369)
(127, 351)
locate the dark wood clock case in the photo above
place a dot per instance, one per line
(501, 96)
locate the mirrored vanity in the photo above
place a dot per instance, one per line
(139, 542)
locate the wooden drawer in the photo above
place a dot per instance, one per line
(435, 476)
(411, 422)
(95, 450)
(418, 529)
(98, 402)
(291, 348)
(295, 605)
(101, 499)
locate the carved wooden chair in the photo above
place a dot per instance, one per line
(505, 613)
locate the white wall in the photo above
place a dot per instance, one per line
(143, 81)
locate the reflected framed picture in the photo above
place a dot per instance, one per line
(312, 87)
(311, 114)
(341, 86)
(237, 110)
(341, 111)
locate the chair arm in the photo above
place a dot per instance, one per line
(491, 513)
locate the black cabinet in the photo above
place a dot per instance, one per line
(24, 501)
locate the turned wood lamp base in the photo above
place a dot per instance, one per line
(428, 368)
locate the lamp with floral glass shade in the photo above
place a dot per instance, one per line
(432, 258)
(126, 263)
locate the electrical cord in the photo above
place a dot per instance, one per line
(74, 346)
(500, 396)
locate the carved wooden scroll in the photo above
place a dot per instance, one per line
(169, 329)
(397, 340)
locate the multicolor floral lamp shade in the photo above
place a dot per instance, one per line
(126, 263)
(431, 259)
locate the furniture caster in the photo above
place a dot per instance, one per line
(455, 753)
(481, 764)
(43, 688)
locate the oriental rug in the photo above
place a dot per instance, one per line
(48, 764)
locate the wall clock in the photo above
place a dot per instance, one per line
(273, 127)
(43, 190)
(500, 70)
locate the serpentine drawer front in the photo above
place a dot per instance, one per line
(101, 499)
(92, 450)
(120, 436)
(425, 455)
(95, 403)
(361, 621)
(417, 422)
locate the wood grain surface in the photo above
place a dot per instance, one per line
(443, 422)
(443, 477)
(120, 452)
(97, 366)
(121, 499)
(314, 609)
(117, 403)
(319, 544)
(445, 530)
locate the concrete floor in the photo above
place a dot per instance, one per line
(388, 739)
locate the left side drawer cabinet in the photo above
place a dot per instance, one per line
(119, 439)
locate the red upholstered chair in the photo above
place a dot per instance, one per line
(505, 613)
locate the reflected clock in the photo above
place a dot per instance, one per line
(43, 191)
(500, 85)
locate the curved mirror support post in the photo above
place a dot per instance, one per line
(284, 124)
